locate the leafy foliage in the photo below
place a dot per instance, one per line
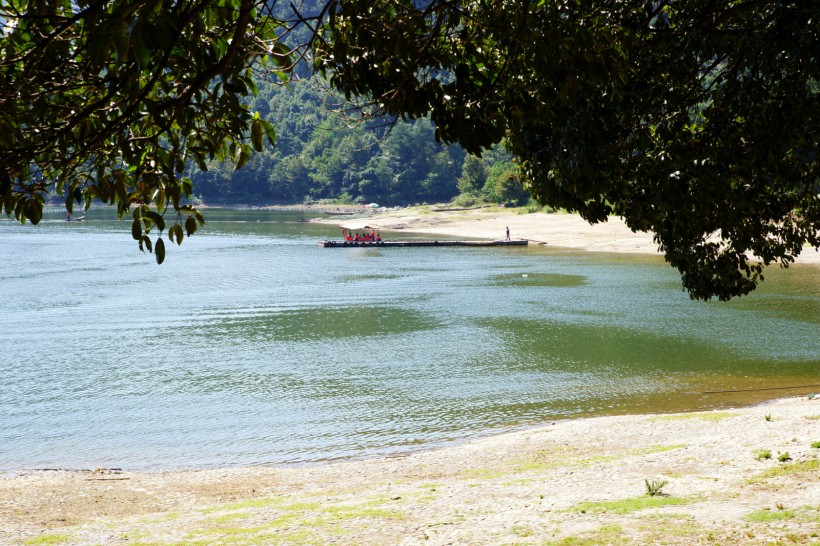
(696, 120)
(654, 488)
(108, 100)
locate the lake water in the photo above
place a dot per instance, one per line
(252, 345)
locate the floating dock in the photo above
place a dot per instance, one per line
(380, 244)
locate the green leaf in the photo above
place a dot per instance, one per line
(145, 243)
(243, 154)
(236, 86)
(249, 80)
(200, 162)
(256, 135)
(156, 218)
(34, 211)
(190, 226)
(159, 250)
(270, 132)
(176, 233)
(136, 229)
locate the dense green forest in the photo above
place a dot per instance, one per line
(325, 150)
(323, 154)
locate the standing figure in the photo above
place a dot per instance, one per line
(508, 233)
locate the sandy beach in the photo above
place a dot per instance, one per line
(557, 229)
(738, 476)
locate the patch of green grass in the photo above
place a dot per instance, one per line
(521, 531)
(704, 415)
(534, 466)
(608, 534)
(649, 450)
(300, 506)
(626, 506)
(422, 495)
(812, 417)
(762, 454)
(234, 531)
(362, 511)
(784, 457)
(815, 445)
(809, 514)
(283, 503)
(564, 457)
(290, 522)
(53, 538)
(793, 469)
(768, 516)
(262, 535)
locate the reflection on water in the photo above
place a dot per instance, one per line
(252, 345)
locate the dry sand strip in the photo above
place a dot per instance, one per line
(559, 229)
(739, 476)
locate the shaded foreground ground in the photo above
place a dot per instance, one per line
(570, 482)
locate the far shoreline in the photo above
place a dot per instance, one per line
(556, 229)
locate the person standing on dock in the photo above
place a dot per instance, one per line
(508, 233)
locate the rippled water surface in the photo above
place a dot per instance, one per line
(252, 345)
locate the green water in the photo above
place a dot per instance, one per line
(252, 345)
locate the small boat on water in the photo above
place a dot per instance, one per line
(365, 236)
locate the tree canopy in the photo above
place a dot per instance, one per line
(108, 100)
(693, 119)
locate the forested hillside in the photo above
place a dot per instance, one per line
(321, 154)
(324, 152)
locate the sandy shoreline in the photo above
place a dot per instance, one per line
(565, 483)
(557, 229)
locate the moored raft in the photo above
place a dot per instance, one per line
(406, 243)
